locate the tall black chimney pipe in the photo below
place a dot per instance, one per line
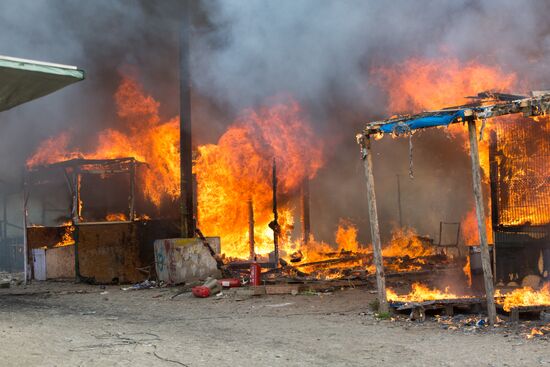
(186, 159)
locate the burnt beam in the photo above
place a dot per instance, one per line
(186, 159)
(366, 155)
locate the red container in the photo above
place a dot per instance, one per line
(230, 282)
(255, 274)
(201, 291)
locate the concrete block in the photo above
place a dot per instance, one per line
(180, 260)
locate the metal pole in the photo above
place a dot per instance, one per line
(76, 221)
(366, 153)
(251, 228)
(399, 202)
(25, 237)
(306, 223)
(186, 159)
(478, 196)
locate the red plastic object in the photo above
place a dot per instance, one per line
(201, 291)
(255, 274)
(230, 282)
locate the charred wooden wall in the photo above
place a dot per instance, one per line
(110, 252)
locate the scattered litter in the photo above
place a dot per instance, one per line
(88, 313)
(104, 292)
(146, 284)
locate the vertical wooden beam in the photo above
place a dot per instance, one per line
(76, 220)
(251, 228)
(275, 223)
(186, 158)
(364, 141)
(132, 190)
(482, 229)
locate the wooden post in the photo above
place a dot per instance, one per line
(186, 152)
(251, 228)
(132, 190)
(275, 226)
(76, 220)
(364, 141)
(482, 229)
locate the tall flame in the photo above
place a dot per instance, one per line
(144, 137)
(239, 168)
(420, 293)
(429, 84)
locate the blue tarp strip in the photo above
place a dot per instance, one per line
(442, 119)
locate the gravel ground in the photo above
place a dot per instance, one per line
(65, 324)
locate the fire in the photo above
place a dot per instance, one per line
(67, 237)
(346, 237)
(424, 84)
(469, 229)
(430, 84)
(534, 332)
(406, 242)
(116, 217)
(420, 293)
(526, 296)
(468, 271)
(239, 168)
(144, 136)
(523, 157)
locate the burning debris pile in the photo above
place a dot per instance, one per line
(524, 298)
(235, 186)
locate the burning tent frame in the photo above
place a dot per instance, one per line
(73, 170)
(502, 104)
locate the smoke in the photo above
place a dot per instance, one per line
(246, 51)
(322, 51)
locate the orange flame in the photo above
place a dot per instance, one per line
(145, 137)
(469, 229)
(116, 217)
(525, 296)
(67, 237)
(406, 242)
(423, 84)
(420, 293)
(239, 168)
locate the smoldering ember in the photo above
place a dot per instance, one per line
(289, 183)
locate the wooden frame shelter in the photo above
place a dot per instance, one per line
(484, 106)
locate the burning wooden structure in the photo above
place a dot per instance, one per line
(486, 105)
(91, 230)
(520, 197)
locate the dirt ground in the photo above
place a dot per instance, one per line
(65, 324)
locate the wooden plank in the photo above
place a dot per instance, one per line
(480, 211)
(364, 141)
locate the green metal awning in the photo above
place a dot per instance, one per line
(24, 80)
